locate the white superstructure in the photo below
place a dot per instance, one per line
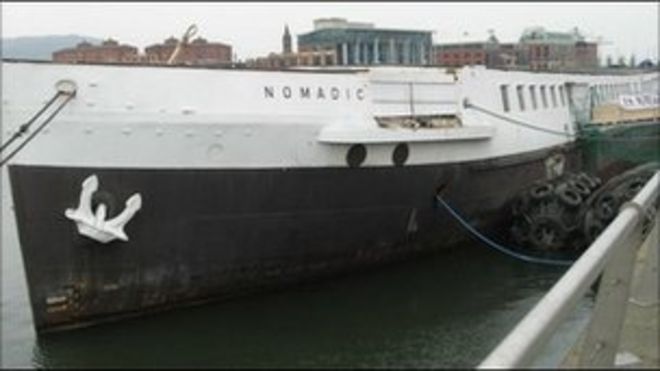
(164, 117)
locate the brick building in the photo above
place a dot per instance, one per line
(537, 49)
(460, 54)
(110, 51)
(489, 53)
(197, 52)
(586, 54)
(540, 49)
(305, 58)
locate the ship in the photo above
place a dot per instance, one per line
(151, 187)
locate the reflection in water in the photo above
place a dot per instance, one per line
(444, 311)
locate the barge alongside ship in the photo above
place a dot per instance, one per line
(163, 186)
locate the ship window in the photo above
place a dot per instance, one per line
(532, 93)
(553, 96)
(521, 97)
(544, 98)
(561, 95)
(504, 89)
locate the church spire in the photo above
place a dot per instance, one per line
(286, 40)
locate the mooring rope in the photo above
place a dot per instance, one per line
(467, 104)
(488, 242)
(511, 120)
(24, 127)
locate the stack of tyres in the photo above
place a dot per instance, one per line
(568, 213)
(547, 216)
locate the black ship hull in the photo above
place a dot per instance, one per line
(208, 234)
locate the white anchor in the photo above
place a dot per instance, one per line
(94, 225)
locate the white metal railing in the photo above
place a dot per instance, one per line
(612, 253)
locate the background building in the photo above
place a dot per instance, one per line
(286, 41)
(110, 51)
(197, 52)
(309, 58)
(289, 58)
(355, 43)
(540, 49)
(489, 53)
(537, 49)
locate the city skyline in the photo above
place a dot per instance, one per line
(255, 29)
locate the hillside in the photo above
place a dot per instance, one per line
(40, 47)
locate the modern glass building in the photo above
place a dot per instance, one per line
(362, 44)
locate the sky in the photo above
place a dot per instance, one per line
(255, 29)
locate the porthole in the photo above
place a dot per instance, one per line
(400, 154)
(356, 155)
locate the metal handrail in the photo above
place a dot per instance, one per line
(613, 253)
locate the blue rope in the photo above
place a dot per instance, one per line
(497, 246)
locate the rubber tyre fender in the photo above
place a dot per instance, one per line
(581, 187)
(520, 231)
(569, 196)
(548, 234)
(606, 206)
(519, 206)
(541, 191)
(592, 228)
(590, 181)
(633, 187)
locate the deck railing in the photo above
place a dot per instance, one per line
(612, 254)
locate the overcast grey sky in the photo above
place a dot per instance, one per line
(255, 29)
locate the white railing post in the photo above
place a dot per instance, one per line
(603, 332)
(645, 292)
